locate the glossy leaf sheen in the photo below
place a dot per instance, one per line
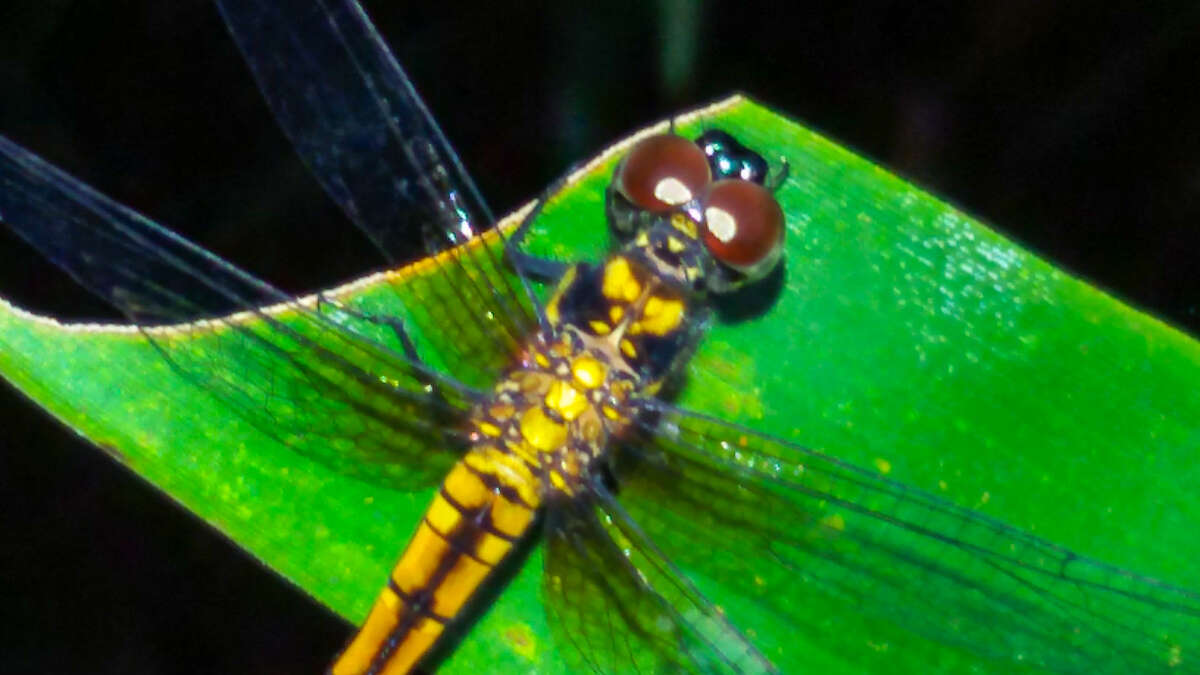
(905, 337)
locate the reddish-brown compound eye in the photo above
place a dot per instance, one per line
(662, 172)
(743, 224)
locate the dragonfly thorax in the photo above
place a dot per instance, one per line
(551, 417)
(629, 316)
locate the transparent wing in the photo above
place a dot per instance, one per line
(786, 529)
(357, 122)
(296, 372)
(617, 605)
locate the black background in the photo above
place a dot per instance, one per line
(1072, 128)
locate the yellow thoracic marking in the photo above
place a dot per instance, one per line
(561, 349)
(619, 283)
(652, 388)
(599, 327)
(628, 349)
(685, 225)
(552, 312)
(616, 313)
(566, 400)
(501, 411)
(588, 372)
(541, 432)
(675, 245)
(660, 316)
(528, 383)
(488, 429)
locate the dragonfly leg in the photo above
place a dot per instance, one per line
(776, 178)
(396, 326)
(542, 269)
(423, 371)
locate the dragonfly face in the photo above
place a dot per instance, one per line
(697, 213)
(683, 504)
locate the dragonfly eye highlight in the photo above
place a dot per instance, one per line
(743, 225)
(662, 172)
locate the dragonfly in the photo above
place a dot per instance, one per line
(624, 596)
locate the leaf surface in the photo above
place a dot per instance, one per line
(903, 336)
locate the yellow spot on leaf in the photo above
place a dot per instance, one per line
(834, 522)
(522, 640)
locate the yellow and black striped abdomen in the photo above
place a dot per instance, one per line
(484, 506)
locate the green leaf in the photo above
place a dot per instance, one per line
(905, 337)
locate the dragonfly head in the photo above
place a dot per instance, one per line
(700, 213)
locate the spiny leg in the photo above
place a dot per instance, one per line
(777, 178)
(531, 266)
(423, 372)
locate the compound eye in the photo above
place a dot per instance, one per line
(662, 172)
(743, 225)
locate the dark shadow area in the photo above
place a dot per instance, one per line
(752, 300)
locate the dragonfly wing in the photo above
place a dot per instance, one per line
(780, 525)
(295, 371)
(617, 605)
(357, 122)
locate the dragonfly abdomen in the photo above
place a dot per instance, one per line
(535, 435)
(474, 521)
